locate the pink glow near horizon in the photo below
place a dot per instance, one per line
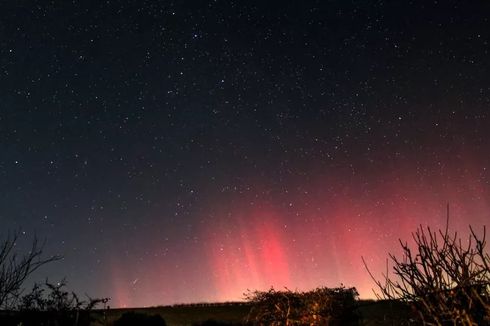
(322, 244)
(253, 244)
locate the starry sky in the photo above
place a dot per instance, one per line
(186, 151)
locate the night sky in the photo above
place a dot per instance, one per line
(187, 151)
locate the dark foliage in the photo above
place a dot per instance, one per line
(54, 297)
(212, 322)
(49, 304)
(322, 306)
(134, 318)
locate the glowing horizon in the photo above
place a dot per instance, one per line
(254, 244)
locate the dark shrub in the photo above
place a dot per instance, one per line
(50, 304)
(322, 306)
(212, 322)
(444, 277)
(139, 319)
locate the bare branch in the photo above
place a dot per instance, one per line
(446, 279)
(15, 269)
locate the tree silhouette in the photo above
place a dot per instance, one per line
(321, 306)
(52, 304)
(15, 268)
(445, 278)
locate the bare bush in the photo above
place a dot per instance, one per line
(51, 304)
(14, 268)
(445, 278)
(54, 297)
(322, 306)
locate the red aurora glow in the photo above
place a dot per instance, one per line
(320, 241)
(315, 239)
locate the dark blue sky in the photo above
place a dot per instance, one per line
(144, 139)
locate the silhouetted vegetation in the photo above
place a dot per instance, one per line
(212, 322)
(47, 304)
(140, 319)
(445, 278)
(51, 304)
(322, 306)
(15, 268)
(54, 297)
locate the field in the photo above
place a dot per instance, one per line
(370, 312)
(181, 315)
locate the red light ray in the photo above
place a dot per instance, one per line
(323, 242)
(317, 240)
